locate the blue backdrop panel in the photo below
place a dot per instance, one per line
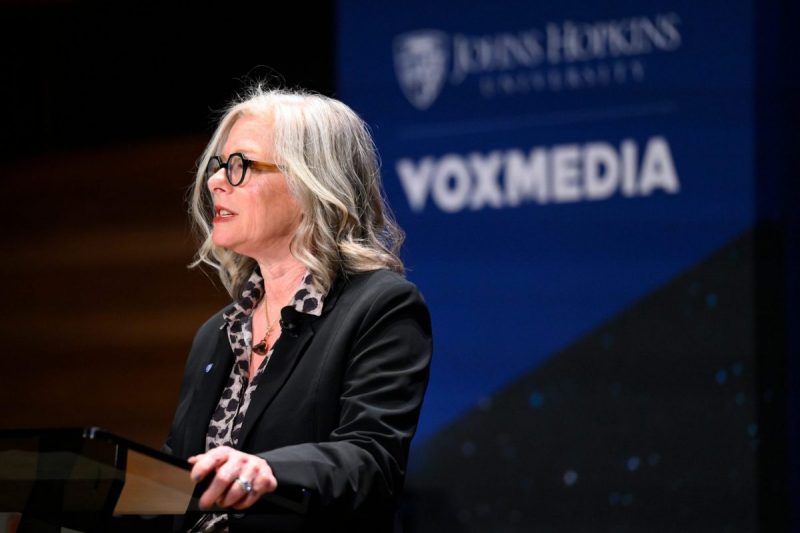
(550, 163)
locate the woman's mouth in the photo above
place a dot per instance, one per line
(222, 214)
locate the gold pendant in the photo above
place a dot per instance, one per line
(261, 348)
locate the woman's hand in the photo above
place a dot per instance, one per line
(234, 473)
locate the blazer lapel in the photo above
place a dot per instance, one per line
(295, 336)
(216, 369)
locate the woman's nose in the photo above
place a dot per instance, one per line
(218, 181)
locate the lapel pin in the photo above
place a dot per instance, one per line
(209, 366)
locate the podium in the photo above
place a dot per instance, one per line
(85, 479)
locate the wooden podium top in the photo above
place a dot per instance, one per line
(91, 470)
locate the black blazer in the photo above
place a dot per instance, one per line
(337, 407)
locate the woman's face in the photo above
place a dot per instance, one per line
(259, 217)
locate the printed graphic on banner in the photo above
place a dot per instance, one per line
(564, 55)
(551, 164)
(566, 173)
(421, 59)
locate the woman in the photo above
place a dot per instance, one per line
(315, 375)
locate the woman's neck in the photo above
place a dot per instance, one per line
(281, 278)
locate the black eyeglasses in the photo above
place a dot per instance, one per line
(236, 167)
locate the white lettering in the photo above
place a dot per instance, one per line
(629, 161)
(601, 170)
(658, 170)
(451, 184)
(566, 173)
(554, 44)
(668, 24)
(517, 62)
(470, 55)
(415, 181)
(487, 170)
(526, 177)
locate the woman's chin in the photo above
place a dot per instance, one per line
(222, 241)
(232, 245)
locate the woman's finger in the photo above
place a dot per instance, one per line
(242, 488)
(226, 472)
(206, 462)
(263, 482)
(214, 493)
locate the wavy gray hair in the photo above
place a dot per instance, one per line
(331, 166)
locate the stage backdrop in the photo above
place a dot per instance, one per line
(576, 183)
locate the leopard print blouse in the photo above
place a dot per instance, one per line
(226, 422)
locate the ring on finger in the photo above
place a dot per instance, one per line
(247, 486)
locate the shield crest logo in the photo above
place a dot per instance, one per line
(420, 63)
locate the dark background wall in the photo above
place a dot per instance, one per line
(106, 107)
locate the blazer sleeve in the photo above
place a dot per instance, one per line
(363, 463)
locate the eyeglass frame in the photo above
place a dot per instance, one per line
(246, 164)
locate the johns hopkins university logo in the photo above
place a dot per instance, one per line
(553, 57)
(420, 61)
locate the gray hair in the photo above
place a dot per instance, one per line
(327, 155)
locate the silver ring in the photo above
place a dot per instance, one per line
(246, 485)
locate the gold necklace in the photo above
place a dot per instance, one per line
(263, 347)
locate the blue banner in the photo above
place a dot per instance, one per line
(551, 163)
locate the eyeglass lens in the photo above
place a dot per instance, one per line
(234, 170)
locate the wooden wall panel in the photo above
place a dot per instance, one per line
(98, 306)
